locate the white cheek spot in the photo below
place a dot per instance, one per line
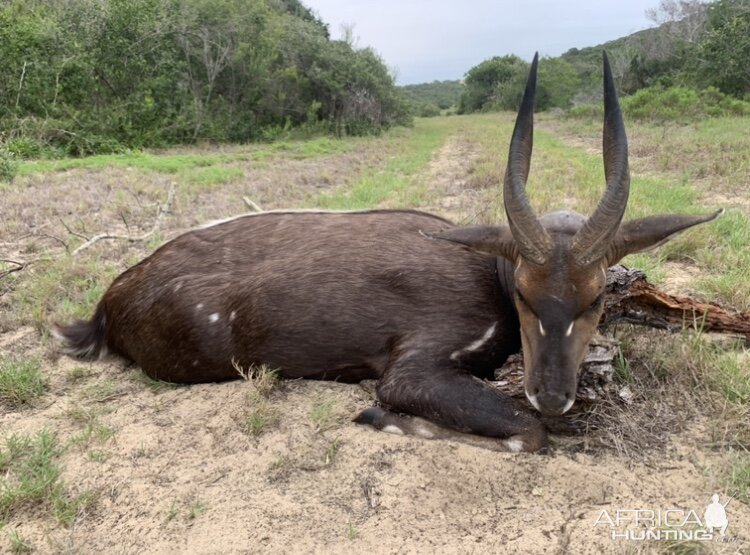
(541, 329)
(199, 306)
(569, 330)
(391, 429)
(178, 286)
(514, 445)
(213, 318)
(232, 316)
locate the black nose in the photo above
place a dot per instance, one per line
(551, 403)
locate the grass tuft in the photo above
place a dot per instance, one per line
(322, 414)
(17, 543)
(32, 479)
(21, 381)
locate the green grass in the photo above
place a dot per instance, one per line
(738, 476)
(93, 432)
(322, 414)
(259, 416)
(397, 182)
(183, 163)
(31, 478)
(21, 381)
(18, 544)
(62, 290)
(213, 175)
(196, 509)
(154, 385)
(259, 412)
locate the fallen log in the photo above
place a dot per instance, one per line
(631, 299)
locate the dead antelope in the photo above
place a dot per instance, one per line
(426, 308)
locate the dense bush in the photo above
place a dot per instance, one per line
(425, 97)
(84, 77)
(672, 104)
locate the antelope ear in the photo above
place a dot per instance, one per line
(492, 240)
(648, 233)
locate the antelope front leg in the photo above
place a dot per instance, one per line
(451, 404)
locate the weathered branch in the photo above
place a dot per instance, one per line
(163, 211)
(630, 298)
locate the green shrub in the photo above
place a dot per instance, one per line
(24, 147)
(681, 104)
(428, 110)
(8, 166)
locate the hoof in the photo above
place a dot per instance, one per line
(372, 416)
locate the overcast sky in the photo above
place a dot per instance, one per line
(427, 40)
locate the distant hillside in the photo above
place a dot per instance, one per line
(700, 48)
(429, 98)
(627, 55)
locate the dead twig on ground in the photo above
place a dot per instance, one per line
(163, 211)
(252, 205)
(18, 265)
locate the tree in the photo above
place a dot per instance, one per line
(725, 48)
(485, 80)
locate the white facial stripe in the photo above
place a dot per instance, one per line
(541, 329)
(569, 330)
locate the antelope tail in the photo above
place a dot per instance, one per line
(84, 339)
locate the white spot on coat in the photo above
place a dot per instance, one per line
(199, 306)
(232, 316)
(391, 429)
(515, 445)
(178, 286)
(541, 329)
(475, 345)
(213, 318)
(569, 330)
(423, 431)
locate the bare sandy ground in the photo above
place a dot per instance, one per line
(180, 473)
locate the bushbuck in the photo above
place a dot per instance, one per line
(407, 298)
